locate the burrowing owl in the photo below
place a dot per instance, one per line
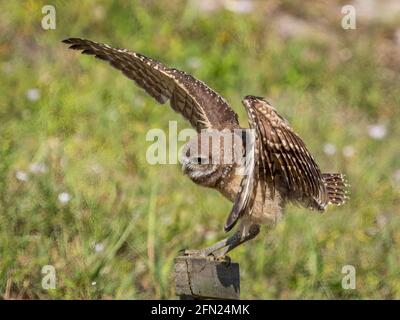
(278, 167)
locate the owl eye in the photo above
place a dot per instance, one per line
(200, 160)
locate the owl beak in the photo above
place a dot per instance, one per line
(185, 165)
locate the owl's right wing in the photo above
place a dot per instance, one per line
(202, 106)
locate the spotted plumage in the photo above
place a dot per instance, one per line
(188, 96)
(278, 167)
(284, 165)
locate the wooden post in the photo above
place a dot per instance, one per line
(205, 278)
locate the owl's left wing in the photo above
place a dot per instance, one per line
(283, 153)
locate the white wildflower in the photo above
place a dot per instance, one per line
(64, 197)
(33, 94)
(396, 177)
(98, 247)
(94, 283)
(21, 176)
(239, 6)
(194, 62)
(377, 131)
(381, 220)
(206, 5)
(348, 151)
(38, 168)
(329, 149)
(96, 168)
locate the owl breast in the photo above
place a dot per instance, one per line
(267, 212)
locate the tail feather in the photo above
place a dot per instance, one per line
(337, 188)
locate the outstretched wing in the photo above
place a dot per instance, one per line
(283, 155)
(202, 106)
(278, 154)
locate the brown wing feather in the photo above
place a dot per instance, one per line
(284, 151)
(192, 98)
(248, 186)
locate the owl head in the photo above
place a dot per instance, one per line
(206, 157)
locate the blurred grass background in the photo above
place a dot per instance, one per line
(77, 193)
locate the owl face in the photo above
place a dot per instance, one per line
(199, 164)
(206, 156)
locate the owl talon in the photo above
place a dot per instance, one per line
(193, 253)
(225, 259)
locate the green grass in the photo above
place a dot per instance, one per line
(89, 125)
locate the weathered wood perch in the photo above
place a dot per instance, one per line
(204, 278)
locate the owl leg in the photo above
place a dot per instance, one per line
(215, 247)
(221, 248)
